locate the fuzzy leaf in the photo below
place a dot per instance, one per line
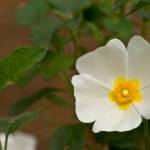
(118, 4)
(141, 4)
(68, 8)
(54, 63)
(18, 62)
(48, 92)
(43, 31)
(29, 75)
(32, 12)
(11, 124)
(68, 136)
(95, 31)
(126, 140)
(122, 27)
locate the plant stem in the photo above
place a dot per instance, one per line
(146, 135)
(67, 81)
(6, 141)
(75, 43)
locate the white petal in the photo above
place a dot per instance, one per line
(86, 86)
(143, 107)
(139, 59)
(105, 63)
(117, 120)
(20, 141)
(90, 98)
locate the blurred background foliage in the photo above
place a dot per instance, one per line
(57, 32)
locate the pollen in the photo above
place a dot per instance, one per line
(125, 92)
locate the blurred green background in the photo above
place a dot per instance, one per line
(67, 29)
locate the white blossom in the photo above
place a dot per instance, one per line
(20, 141)
(113, 86)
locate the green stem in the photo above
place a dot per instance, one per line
(75, 43)
(67, 82)
(146, 135)
(6, 141)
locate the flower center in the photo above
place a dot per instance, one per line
(125, 92)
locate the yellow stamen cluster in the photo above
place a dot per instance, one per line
(125, 92)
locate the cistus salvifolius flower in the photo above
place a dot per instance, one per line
(20, 141)
(113, 86)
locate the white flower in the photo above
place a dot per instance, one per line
(113, 88)
(20, 141)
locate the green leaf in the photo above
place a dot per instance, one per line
(119, 140)
(58, 100)
(11, 124)
(68, 8)
(18, 62)
(118, 4)
(29, 75)
(48, 92)
(46, 29)
(122, 27)
(68, 136)
(32, 12)
(141, 4)
(43, 31)
(54, 63)
(106, 7)
(95, 31)
(59, 41)
(73, 23)
(144, 14)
